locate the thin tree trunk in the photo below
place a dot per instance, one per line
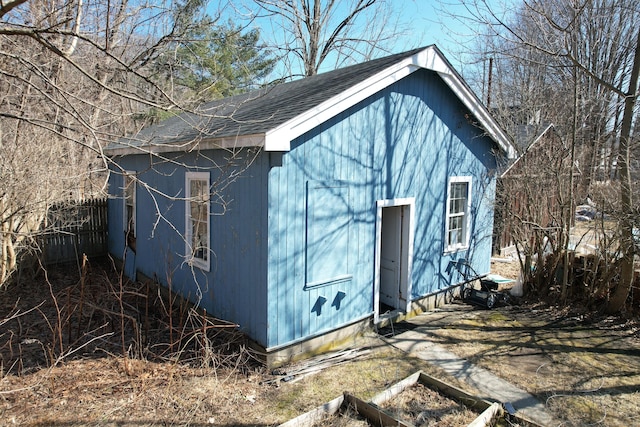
(621, 292)
(570, 212)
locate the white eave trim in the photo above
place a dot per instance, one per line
(279, 138)
(470, 100)
(529, 148)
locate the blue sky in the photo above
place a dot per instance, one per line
(426, 25)
(423, 22)
(446, 23)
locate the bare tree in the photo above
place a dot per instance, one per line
(311, 33)
(571, 62)
(621, 292)
(73, 75)
(531, 199)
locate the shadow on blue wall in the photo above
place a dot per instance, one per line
(402, 142)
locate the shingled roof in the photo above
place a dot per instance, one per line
(273, 117)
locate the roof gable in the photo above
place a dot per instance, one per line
(549, 130)
(273, 117)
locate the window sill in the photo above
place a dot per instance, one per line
(204, 266)
(328, 282)
(454, 249)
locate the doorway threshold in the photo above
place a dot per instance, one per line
(389, 317)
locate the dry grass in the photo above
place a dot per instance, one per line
(345, 418)
(116, 391)
(362, 377)
(422, 406)
(586, 368)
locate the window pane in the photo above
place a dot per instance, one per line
(198, 210)
(199, 190)
(456, 221)
(455, 191)
(454, 237)
(199, 240)
(455, 230)
(129, 186)
(129, 215)
(458, 197)
(129, 211)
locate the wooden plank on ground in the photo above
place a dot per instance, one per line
(379, 417)
(373, 414)
(467, 399)
(464, 397)
(316, 415)
(396, 389)
(486, 418)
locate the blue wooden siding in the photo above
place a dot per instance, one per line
(235, 287)
(327, 233)
(294, 245)
(403, 142)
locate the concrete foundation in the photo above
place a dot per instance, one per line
(350, 335)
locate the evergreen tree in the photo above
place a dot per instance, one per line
(216, 61)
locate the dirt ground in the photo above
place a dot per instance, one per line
(586, 368)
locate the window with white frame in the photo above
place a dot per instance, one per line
(129, 195)
(458, 213)
(197, 219)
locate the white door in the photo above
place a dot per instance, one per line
(391, 256)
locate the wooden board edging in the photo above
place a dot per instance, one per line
(396, 389)
(315, 415)
(373, 413)
(452, 391)
(486, 418)
(379, 417)
(466, 398)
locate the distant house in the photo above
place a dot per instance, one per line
(307, 210)
(531, 192)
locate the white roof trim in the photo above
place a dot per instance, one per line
(469, 99)
(279, 138)
(529, 147)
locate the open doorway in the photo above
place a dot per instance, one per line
(394, 253)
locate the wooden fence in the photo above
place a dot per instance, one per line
(74, 229)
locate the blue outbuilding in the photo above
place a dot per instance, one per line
(304, 211)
